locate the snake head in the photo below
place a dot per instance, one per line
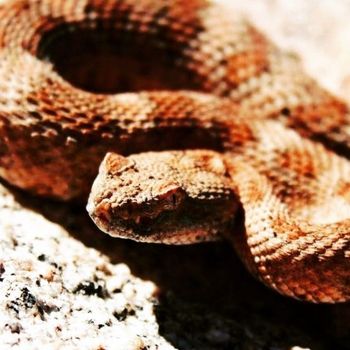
(170, 197)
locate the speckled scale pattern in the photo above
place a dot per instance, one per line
(293, 193)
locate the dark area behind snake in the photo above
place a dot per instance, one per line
(259, 154)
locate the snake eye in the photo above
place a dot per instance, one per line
(171, 196)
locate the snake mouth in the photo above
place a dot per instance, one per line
(189, 221)
(108, 61)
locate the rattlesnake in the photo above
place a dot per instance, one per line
(256, 152)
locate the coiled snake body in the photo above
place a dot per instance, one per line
(258, 153)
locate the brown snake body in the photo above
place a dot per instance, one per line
(259, 155)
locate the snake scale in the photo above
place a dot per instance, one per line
(205, 129)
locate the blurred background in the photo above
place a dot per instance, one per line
(317, 30)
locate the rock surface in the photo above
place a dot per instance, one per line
(65, 285)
